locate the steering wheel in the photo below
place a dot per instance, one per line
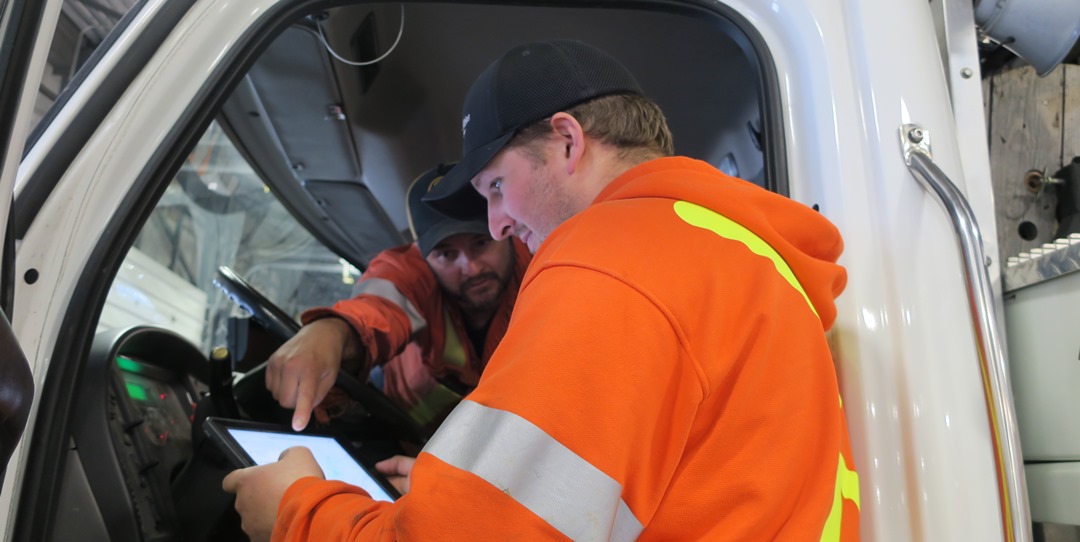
(251, 387)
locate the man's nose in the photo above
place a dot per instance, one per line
(499, 224)
(471, 265)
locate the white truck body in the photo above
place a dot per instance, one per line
(850, 74)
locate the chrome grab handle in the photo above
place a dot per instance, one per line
(1012, 493)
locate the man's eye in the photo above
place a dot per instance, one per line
(496, 186)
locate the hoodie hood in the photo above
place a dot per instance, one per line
(804, 239)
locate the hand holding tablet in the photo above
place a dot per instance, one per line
(248, 444)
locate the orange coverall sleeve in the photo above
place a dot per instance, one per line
(590, 361)
(383, 323)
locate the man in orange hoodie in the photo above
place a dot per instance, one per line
(665, 375)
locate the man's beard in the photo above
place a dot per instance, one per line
(485, 300)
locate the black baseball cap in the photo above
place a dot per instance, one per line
(529, 83)
(427, 225)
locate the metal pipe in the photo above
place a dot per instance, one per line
(1011, 483)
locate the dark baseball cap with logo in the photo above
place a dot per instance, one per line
(427, 225)
(529, 83)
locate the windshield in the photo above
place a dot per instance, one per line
(217, 212)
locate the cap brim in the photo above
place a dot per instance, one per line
(454, 196)
(435, 234)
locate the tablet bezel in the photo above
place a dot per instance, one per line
(217, 430)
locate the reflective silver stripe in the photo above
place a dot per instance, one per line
(387, 290)
(535, 470)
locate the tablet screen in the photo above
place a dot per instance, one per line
(336, 463)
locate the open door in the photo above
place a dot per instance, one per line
(22, 58)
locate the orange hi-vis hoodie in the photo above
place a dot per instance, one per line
(665, 376)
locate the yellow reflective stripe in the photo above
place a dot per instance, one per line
(847, 480)
(453, 351)
(847, 487)
(707, 219)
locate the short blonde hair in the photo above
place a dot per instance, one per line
(631, 123)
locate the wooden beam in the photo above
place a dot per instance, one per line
(1070, 147)
(1026, 118)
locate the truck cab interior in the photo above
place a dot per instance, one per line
(288, 179)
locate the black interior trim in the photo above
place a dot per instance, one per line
(19, 37)
(24, 22)
(7, 268)
(91, 430)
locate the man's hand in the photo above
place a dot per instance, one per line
(397, 471)
(259, 489)
(302, 371)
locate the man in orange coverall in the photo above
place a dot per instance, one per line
(666, 374)
(431, 313)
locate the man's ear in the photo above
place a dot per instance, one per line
(571, 138)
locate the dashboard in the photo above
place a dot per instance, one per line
(156, 402)
(139, 467)
(134, 471)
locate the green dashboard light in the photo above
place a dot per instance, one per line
(136, 391)
(127, 364)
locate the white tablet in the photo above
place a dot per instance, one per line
(249, 443)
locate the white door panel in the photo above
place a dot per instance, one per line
(851, 73)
